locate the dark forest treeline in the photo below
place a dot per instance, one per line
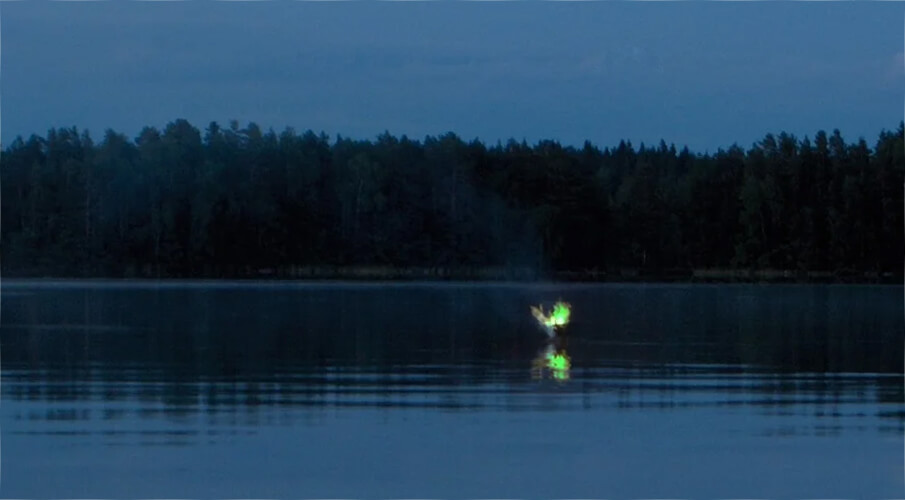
(231, 201)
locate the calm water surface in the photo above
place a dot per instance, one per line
(226, 390)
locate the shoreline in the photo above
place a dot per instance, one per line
(366, 274)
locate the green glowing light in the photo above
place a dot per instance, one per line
(561, 313)
(559, 365)
(559, 316)
(552, 362)
(559, 362)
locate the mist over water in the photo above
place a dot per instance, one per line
(205, 390)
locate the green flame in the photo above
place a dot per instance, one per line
(560, 314)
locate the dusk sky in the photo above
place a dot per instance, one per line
(704, 75)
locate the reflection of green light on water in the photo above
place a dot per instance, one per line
(559, 362)
(559, 365)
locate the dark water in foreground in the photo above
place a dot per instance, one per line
(198, 390)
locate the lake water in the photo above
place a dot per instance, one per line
(265, 390)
